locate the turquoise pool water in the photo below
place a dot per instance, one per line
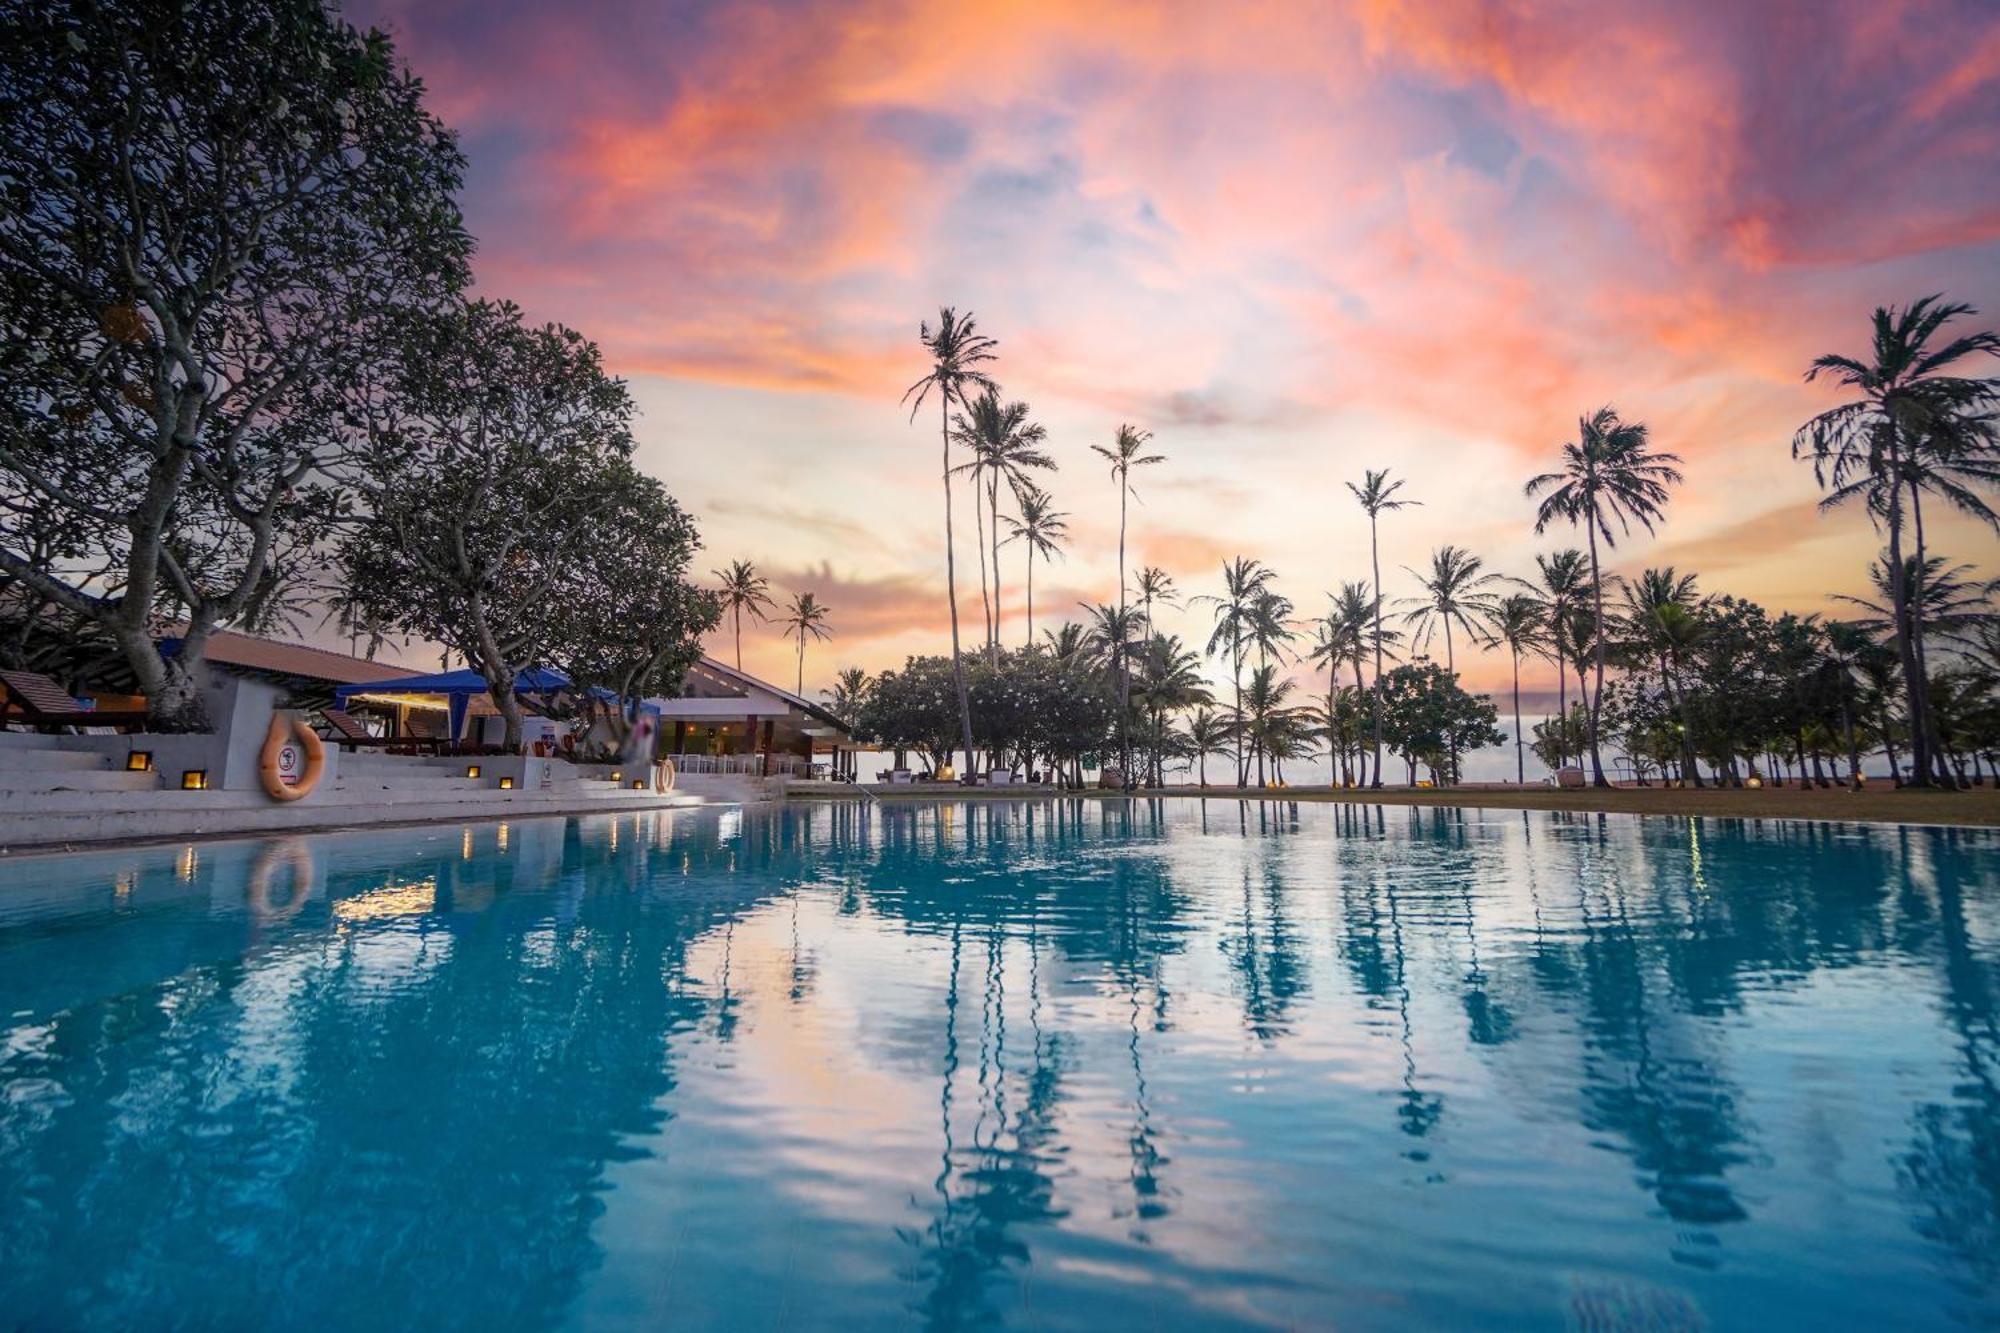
(1053, 1065)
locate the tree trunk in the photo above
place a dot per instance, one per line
(1899, 598)
(1598, 637)
(1031, 594)
(1124, 668)
(1520, 746)
(1375, 559)
(1916, 598)
(1888, 742)
(979, 541)
(951, 587)
(993, 536)
(739, 638)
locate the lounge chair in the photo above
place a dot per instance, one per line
(35, 700)
(348, 732)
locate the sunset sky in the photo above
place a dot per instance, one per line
(1292, 241)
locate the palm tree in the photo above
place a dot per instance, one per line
(850, 690)
(1343, 635)
(957, 350)
(1609, 471)
(743, 589)
(805, 618)
(1004, 445)
(1563, 589)
(1660, 612)
(1041, 529)
(1377, 495)
(845, 700)
(1208, 732)
(1909, 426)
(1520, 622)
(1170, 681)
(1153, 585)
(1455, 593)
(1125, 452)
(1066, 642)
(1243, 582)
(1274, 725)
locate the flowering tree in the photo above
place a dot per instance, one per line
(208, 212)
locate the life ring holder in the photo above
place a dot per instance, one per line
(304, 882)
(285, 729)
(665, 775)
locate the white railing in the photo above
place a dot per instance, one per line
(741, 765)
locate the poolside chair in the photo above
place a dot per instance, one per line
(349, 734)
(35, 700)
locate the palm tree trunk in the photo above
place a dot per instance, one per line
(739, 637)
(1360, 755)
(993, 536)
(1562, 695)
(1031, 594)
(1124, 670)
(1520, 747)
(1597, 652)
(1931, 738)
(802, 666)
(1375, 559)
(951, 586)
(979, 533)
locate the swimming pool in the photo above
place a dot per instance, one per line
(1056, 1064)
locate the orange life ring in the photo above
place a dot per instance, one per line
(271, 772)
(305, 882)
(664, 776)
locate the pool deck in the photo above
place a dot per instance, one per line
(1877, 804)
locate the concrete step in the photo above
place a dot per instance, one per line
(21, 760)
(16, 785)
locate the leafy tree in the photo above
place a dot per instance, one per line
(488, 475)
(914, 708)
(1610, 471)
(1428, 718)
(625, 618)
(210, 211)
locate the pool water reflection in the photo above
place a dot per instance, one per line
(1064, 1065)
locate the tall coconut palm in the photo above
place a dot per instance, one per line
(804, 619)
(1126, 451)
(1041, 529)
(1520, 621)
(1243, 583)
(743, 589)
(957, 349)
(1564, 590)
(849, 692)
(1377, 496)
(1458, 590)
(1610, 471)
(1872, 447)
(1005, 445)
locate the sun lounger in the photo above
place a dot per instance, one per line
(35, 700)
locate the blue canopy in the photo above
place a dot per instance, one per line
(458, 687)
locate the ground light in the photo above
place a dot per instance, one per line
(139, 761)
(194, 779)
(506, 784)
(472, 770)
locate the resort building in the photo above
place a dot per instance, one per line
(723, 713)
